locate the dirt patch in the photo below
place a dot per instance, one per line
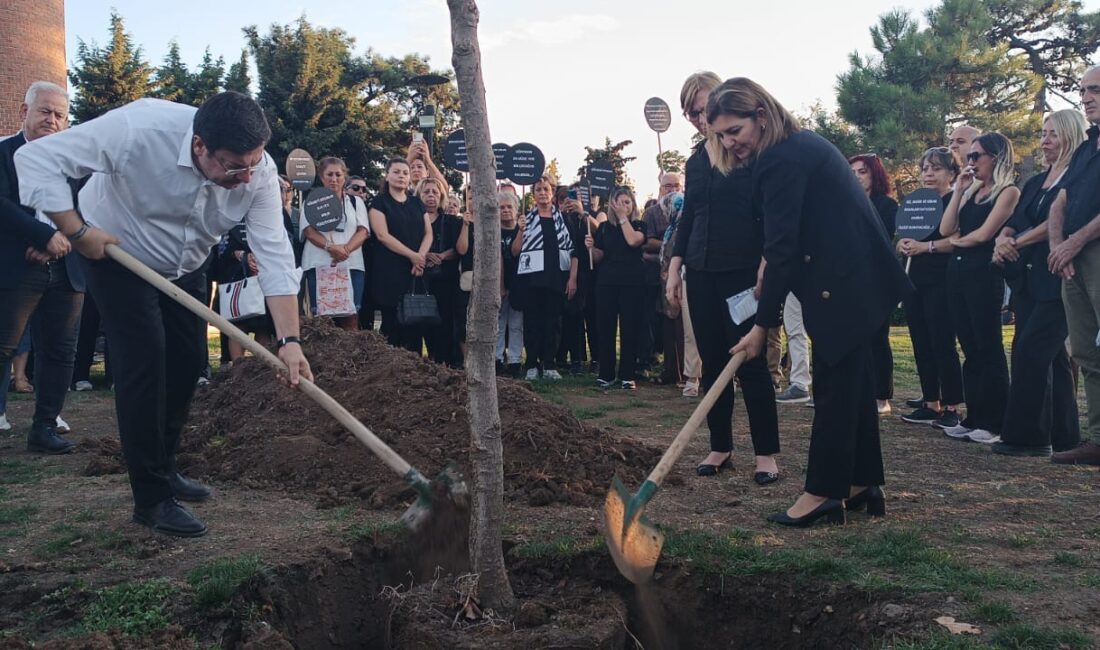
(247, 428)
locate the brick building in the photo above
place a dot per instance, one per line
(32, 47)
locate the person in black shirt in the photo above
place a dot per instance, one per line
(1042, 404)
(719, 241)
(441, 273)
(404, 237)
(876, 184)
(617, 248)
(928, 311)
(571, 349)
(976, 213)
(1074, 225)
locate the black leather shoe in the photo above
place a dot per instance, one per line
(763, 478)
(45, 440)
(872, 497)
(832, 510)
(170, 518)
(713, 470)
(185, 489)
(1009, 449)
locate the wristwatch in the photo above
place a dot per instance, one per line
(285, 340)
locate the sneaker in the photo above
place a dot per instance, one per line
(202, 381)
(552, 375)
(691, 388)
(883, 409)
(915, 403)
(83, 385)
(4, 424)
(983, 436)
(532, 374)
(603, 383)
(63, 426)
(628, 385)
(922, 415)
(947, 420)
(810, 404)
(793, 395)
(958, 432)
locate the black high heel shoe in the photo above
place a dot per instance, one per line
(832, 510)
(713, 470)
(872, 497)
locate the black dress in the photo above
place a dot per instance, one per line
(887, 209)
(443, 284)
(391, 274)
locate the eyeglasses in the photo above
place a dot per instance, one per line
(358, 188)
(237, 171)
(694, 115)
(974, 156)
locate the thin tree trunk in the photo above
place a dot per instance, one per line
(486, 449)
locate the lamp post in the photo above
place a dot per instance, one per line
(427, 125)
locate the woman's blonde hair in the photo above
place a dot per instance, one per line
(432, 180)
(742, 97)
(329, 161)
(616, 193)
(695, 84)
(1070, 127)
(1004, 168)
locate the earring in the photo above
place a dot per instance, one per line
(763, 127)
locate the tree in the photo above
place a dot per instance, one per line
(238, 78)
(207, 80)
(612, 153)
(173, 77)
(486, 447)
(671, 161)
(552, 171)
(105, 78)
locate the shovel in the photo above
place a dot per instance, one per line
(634, 542)
(449, 484)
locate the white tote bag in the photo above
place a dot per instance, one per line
(241, 299)
(334, 292)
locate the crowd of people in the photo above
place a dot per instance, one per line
(766, 211)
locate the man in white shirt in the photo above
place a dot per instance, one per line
(167, 181)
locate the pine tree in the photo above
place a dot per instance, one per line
(238, 78)
(613, 153)
(105, 78)
(172, 77)
(671, 161)
(207, 80)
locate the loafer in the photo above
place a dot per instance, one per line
(185, 489)
(1009, 449)
(169, 518)
(764, 478)
(705, 469)
(832, 510)
(44, 439)
(1087, 454)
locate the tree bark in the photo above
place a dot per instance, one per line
(486, 448)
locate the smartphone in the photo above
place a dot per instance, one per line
(573, 194)
(418, 137)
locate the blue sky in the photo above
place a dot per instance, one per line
(560, 74)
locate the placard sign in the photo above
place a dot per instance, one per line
(657, 114)
(527, 164)
(323, 209)
(919, 214)
(601, 176)
(300, 169)
(584, 195)
(454, 152)
(501, 152)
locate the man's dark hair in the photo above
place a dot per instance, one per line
(231, 121)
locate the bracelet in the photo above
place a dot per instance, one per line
(286, 340)
(79, 233)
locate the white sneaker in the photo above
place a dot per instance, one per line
(4, 424)
(63, 426)
(552, 375)
(958, 432)
(983, 436)
(83, 385)
(691, 388)
(532, 374)
(202, 381)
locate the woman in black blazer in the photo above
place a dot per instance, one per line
(1042, 407)
(824, 242)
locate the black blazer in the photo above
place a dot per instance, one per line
(19, 228)
(825, 242)
(1034, 278)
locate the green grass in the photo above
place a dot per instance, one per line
(217, 581)
(735, 554)
(66, 537)
(940, 639)
(135, 608)
(562, 546)
(15, 471)
(1065, 558)
(372, 529)
(591, 412)
(994, 612)
(16, 515)
(623, 423)
(1020, 636)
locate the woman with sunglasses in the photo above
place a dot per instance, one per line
(928, 310)
(340, 245)
(984, 199)
(719, 242)
(1042, 381)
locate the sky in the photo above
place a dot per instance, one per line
(562, 74)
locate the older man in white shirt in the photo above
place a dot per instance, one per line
(167, 181)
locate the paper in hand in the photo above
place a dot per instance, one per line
(742, 306)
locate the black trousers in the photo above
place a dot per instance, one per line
(158, 350)
(715, 334)
(932, 331)
(571, 347)
(884, 362)
(1042, 404)
(440, 339)
(649, 336)
(542, 327)
(975, 296)
(672, 335)
(620, 308)
(86, 341)
(46, 300)
(591, 327)
(844, 438)
(410, 337)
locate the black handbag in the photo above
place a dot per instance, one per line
(418, 308)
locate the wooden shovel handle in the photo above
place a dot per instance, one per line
(323, 399)
(681, 441)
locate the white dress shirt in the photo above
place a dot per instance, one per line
(146, 191)
(355, 216)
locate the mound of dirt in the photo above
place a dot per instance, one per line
(246, 427)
